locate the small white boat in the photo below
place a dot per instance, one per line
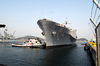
(30, 43)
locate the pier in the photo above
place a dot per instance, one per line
(92, 48)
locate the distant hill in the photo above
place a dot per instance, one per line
(82, 39)
(30, 37)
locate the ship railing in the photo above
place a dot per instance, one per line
(46, 19)
(61, 25)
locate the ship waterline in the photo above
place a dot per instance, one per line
(56, 34)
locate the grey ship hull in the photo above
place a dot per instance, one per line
(56, 35)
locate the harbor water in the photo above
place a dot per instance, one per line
(60, 56)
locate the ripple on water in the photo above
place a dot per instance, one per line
(60, 56)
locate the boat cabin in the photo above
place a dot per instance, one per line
(31, 41)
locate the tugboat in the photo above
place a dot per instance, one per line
(30, 43)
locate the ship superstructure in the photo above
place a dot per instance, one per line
(1, 37)
(8, 36)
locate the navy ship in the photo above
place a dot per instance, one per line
(56, 34)
(7, 37)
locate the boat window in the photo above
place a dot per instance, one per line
(36, 41)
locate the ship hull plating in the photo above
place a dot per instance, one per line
(56, 35)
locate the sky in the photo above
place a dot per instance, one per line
(22, 15)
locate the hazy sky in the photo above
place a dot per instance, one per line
(22, 15)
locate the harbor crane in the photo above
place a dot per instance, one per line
(92, 30)
(13, 33)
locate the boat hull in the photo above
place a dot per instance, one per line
(30, 46)
(56, 35)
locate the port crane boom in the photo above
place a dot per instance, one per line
(13, 33)
(92, 30)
